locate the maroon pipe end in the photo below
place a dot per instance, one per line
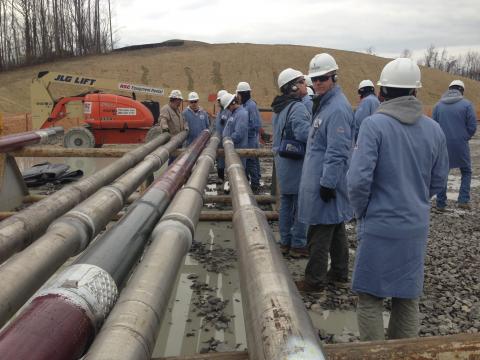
(50, 328)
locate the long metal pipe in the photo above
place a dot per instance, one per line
(61, 152)
(276, 320)
(22, 229)
(15, 141)
(131, 329)
(87, 290)
(70, 234)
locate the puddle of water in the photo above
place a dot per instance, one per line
(180, 319)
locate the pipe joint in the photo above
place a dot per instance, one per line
(44, 135)
(227, 141)
(235, 166)
(116, 191)
(83, 224)
(86, 286)
(175, 222)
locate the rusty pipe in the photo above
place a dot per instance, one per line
(16, 141)
(131, 329)
(86, 290)
(20, 230)
(276, 321)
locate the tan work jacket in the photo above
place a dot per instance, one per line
(172, 120)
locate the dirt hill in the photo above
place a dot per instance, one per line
(207, 68)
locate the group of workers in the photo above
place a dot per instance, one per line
(381, 165)
(238, 119)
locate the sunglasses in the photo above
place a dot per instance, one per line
(193, 101)
(322, 78)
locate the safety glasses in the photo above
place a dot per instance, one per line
(322, 78)
(193, 101)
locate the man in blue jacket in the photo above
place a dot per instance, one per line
(220, 122)
(322, 198)
(291, 121)
(236, 127)
(196, 117)
(254, 125)
(456, 116)
(400, 161)
(368, 104)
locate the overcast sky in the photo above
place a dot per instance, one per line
(389, 26)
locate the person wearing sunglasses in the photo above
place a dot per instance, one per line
(291, 121)
(322, 198)
(196, 117)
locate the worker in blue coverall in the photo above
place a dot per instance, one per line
(456, 116)
(236, 127)
(254, 125)
(307, 99)
(400, 161)
(368, 104)
(196, 117)
(291, 118)
(322, 198)
(220, 121)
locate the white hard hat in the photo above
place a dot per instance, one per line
(457, 83)
(310, 91)
(401, 73)
(221, 93)
(176, 94)
(193, 96)
(308, 80)
(226, 100)
(365, 83)
(288, 75)
(321, 64)
(243, 86)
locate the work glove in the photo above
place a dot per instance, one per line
(327, 193)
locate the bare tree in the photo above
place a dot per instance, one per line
(38, 30)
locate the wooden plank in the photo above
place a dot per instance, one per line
(460, 346)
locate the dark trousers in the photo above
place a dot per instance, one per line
(321, 241)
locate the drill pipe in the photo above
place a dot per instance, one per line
(16, 141)
(70, 234)
(20, 230)
(80, 298)
(276, 321)
(132, 328)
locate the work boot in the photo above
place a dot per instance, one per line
(284, 249)
(305, 287)
(298, 253)
(255, 188)
(440, 209)
(219, 182)
(464, 206)
(341, 283)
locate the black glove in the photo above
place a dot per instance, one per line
(327, 194)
